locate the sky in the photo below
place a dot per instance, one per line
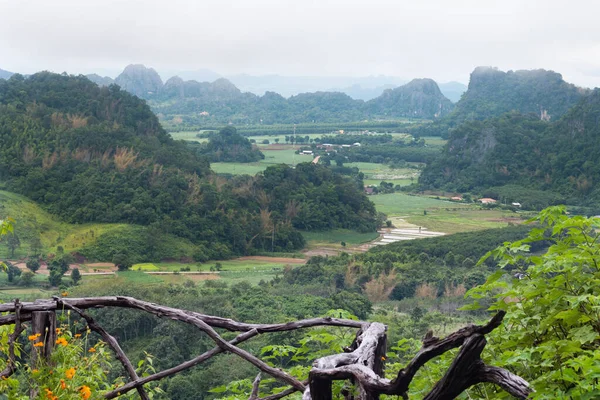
(443, 40)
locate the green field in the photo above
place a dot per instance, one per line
(186, 135)
(272, 157)
(238, 168)
(226, 265)
(442, 215)
(434, 141)
(336, 237)
(375, 173)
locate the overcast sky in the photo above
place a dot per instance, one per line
(443, 40)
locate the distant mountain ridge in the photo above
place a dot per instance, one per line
(221, 101)
(5, 74)
(100, 80)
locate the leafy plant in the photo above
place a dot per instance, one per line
(552, 327)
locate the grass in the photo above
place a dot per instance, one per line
(464, 220)
(190, 136)
(336, 236)
(434, 141)
(272, 157)
(226, 265)
(401, 204)
(33, 221)
(441, 215)
(238, 168)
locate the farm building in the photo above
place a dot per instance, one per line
(487, 200)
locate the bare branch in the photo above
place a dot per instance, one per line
(255, 385)
(467, 369)
(181, 367)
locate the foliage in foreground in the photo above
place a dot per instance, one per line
(552, 327)
(79, 368)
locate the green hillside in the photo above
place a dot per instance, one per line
(99, 155)
(36, 227)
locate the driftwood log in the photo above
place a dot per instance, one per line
(362, 363)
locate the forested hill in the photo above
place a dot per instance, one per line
(92, 154)
(517, 149)
(222, 102)
(492, 92)
(418, 98)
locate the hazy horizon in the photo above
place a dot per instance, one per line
(329, 38)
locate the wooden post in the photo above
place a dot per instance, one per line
(44, 323)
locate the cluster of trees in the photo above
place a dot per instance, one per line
(396, 270)
(525, 153)
(99, 154)
(229, 146)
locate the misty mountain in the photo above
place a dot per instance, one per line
(359, 92)
(5, 74)
(100, 80)
(420, 98)
(292, 85)
(493, 92)
(453, 90)
(197, 103)
(140, 81)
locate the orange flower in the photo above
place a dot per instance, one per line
(63, 385)
(62, 341)
(38, 344)
(85, 392)
(34, 337)
(78, 335)
(64, 294)
(50, 395)
(70, 373)
(92, 350)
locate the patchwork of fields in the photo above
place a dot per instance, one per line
(406, 212)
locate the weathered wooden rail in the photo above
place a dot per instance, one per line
(362, 362)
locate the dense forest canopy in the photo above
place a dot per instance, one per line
(99, 154)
